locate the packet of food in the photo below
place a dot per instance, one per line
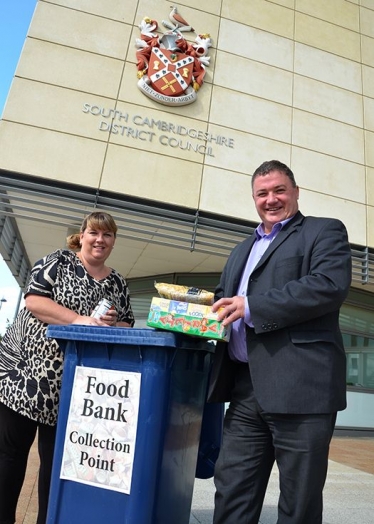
(185, 293)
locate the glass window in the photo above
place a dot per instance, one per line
(357, 325)
(368, 370)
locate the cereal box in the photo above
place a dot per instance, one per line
(187, 318)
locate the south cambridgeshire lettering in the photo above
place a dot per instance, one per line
(146, 129)
(105, 113)
(168, 127)
(118, 129)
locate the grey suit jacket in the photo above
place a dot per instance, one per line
(295, 351)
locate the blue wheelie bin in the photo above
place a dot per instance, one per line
(172, 371)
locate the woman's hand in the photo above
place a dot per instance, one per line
(88, 321)
(110, 317)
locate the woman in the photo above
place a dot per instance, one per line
(64, 288)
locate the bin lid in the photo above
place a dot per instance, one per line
(126, 336)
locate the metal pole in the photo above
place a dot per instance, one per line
(18, 303)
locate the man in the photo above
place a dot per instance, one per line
(283, 371)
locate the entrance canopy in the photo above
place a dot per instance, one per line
(36, 216)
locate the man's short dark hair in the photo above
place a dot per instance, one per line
(273, 165)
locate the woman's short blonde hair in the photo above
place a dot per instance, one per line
(96, 220)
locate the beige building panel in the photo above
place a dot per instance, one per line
(285, 3)
(173, 254)
(369, 113)
(208, 6)
(247, 153)
(246, 113)
(114, 9)
(149, 7)
(129, 92)
(55, 156)
(338, 12)
(366, 3)
(202, 17)
(353, 215)
(368, 81)
(329, 175)
(38, 236)
(264, 15)
(87, 32)
(254, 78)
(45, 235)
(369, 148)
(126, 254)
(370, 187)
(327, 67)
(326, 100)
(152, 176)
(57, 109)
(154, 131)
(367, 21)
(328, 136)
(211, 264)
(227, 193)
(370, 236)
(242, 40)
(132, 49)
(367, 51)
(328, 37)
(161, 264)
(72, 68)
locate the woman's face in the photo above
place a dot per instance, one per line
(97, 244)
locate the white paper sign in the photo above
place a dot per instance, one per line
(101, 429)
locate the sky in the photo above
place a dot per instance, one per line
(15, 18)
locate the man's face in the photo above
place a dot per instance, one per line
(275, 198)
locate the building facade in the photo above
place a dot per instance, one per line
(285, 79)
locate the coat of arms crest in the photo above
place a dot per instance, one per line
(170, 69)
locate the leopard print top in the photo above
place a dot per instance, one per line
(31, 364)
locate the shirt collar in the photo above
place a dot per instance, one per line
(260, 232)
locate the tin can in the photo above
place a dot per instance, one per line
(102, 307)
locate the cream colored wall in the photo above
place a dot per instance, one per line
(289, 79)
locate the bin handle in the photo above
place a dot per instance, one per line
(173, 358)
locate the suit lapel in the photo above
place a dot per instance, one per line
(290, 228)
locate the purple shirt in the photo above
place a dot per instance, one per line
(237, 345)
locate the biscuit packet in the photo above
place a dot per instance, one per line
(185, 294)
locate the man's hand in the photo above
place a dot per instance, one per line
(232, 309)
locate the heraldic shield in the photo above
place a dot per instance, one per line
(170, 72)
